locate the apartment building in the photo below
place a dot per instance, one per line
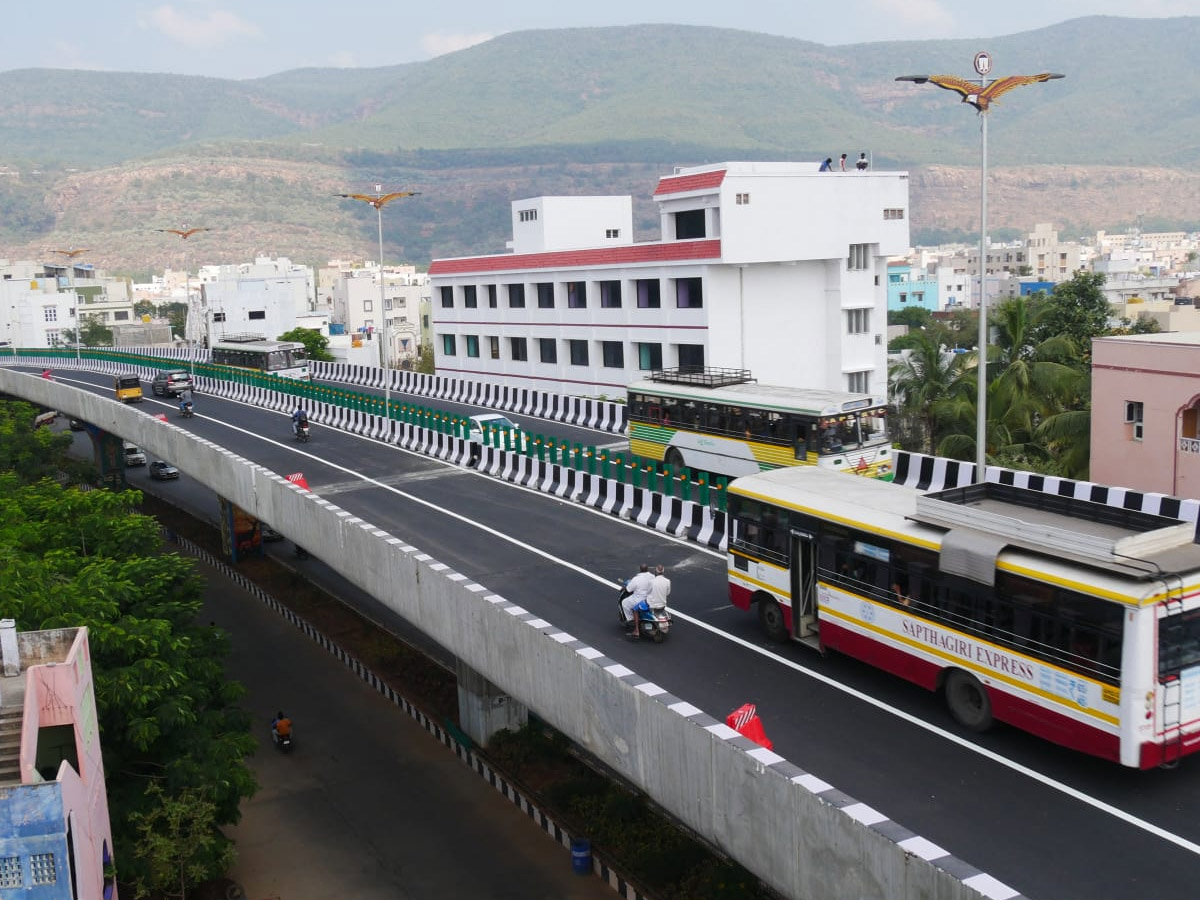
(769, 266)
(263, 297)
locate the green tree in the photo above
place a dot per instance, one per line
(176, 314)
(424, 363)
(913, 317)
(179, 845)
(925, 377)
(33, 453)
(91, 334)
(1076, 309)
(316, 345)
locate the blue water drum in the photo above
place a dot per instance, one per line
(581, 856)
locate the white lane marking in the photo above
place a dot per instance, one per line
(990, 755)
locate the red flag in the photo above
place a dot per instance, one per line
(745, 721)
(297, 478)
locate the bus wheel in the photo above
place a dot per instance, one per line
(968, 701)
(770, 617)
(674, 459)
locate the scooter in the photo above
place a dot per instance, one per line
(302, 432)
(650, 623)
(283, 742)
(185, 409)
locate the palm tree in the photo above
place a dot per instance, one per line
(926, 376)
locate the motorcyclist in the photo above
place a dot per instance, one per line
(299, 418)
(660, 589)
(281, 727)
(638, 589)
(185, 399)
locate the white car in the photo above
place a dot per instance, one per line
(493, 421)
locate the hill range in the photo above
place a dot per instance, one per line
(100, 159)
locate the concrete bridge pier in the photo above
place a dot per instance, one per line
(483, 708)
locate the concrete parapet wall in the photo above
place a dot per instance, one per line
(792, 830)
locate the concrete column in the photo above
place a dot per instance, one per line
(484, 709)
(8, 647)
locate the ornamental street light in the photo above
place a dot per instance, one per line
(379, 200)
(191, 326)
(980, 95)
(70, 255)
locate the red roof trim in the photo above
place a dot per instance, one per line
(674, 251)
(677, 184)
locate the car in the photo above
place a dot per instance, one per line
(133, 454)
(171, 382)
(163, 471)
(75, 425)
(491, 421)
(269, 534)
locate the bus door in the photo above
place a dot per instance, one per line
(804, 584)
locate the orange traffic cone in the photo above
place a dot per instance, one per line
(745, 721)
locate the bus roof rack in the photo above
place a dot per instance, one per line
(243, 337)
(703, 376)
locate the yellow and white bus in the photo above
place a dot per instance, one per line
(722, 421)
(1072, 620)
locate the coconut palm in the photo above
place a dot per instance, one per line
(924, 377)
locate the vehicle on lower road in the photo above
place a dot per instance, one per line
(163, 471)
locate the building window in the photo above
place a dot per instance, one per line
(1134, 410)
(52, 337)
(447, 292)
(472, 345)
(516, 296)
(610, 294)
(742, 199)
(387, 303)
(613, 353)
(858, 321)
(367, 323)
(491, 289)
(548, 348)
(218, 317)
(368, 306)
(612, 233)
(50, 313)
(893, 214)
(41, 868)
(121, 315)
(576, 295)
(689, 224)
(448, 346)
(425, 321)
(918, 296)
(545, 292)
(859, 258)
(403, 320)
(10, 872)
(518, 348)
(527, 215)
(256, 314)
(858, 382)
(691, 356)
(904, 298)
(494, 347)
(689, 293)
(470, 297)
(648, 293)
(579, 352)
(650, 357)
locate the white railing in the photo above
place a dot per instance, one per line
(1189, 445)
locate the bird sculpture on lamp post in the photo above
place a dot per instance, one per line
(191, 325)
(379, 200)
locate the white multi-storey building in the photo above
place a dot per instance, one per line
(41, 301)
(264, 297)
(769, 266)
(354, 300)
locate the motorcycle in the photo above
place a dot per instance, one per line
(302, 432)
(185, 409)
(282, 742)
(650, 623)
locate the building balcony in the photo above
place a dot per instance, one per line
(1189, 445)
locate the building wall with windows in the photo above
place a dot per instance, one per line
(910, 287)
(1145, 428)
(55, 838)
(33, 310)
(264, 297)
(576, 223)
(768, 266)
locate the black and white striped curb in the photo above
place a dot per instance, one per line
(935, 473)
(481, 767)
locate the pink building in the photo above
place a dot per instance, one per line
(55, 839)
(1145, 397)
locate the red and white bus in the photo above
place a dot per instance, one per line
(1075, 621)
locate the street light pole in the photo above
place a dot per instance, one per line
(70, 255)
(379, 200)
(980, 95)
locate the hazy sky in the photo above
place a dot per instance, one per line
(251, 38)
